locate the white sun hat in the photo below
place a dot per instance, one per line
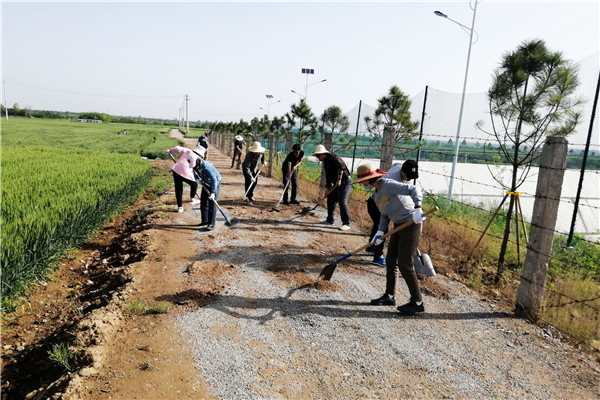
(320, 149)
(256, 148)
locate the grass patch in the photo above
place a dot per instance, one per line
(140, 307)
(62, 355)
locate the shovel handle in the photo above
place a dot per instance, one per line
(390, 233)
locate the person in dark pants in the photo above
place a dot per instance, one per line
(210, 179)
(401, 173)
(338, 184)
(391, 198)
(203, 142)
(251, 168)
(183, 172)
(290, 173)
(238, 146)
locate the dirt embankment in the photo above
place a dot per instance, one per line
(248, 320)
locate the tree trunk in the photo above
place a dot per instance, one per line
(289, 141)
(387, 148)
(513, 188)
(328, 141)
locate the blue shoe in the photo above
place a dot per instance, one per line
(379, 261)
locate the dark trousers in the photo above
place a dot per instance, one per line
(400, 258)
(208, 208)
(293, 184)
(178, 180)
(237, 154)
(375, 217)
(339, 195)
(249, 186)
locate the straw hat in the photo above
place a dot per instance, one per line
(256, 148)
(320, 149)
(238, 137)
(367, 171)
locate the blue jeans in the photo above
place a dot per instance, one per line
(293, 184)
(339, 195)
(208, 209)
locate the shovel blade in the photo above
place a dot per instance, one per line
(232, 222)
(327, 272)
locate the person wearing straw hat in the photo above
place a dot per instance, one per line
(338, 184)
(238, 146)
(183, 172)
(400, 172)
(253, 161)
(290, 173)
(210, 178)
(400, 203)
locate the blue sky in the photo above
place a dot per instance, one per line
(142, 58)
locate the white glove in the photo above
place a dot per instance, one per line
(376, 239)
(212, 196)
(418, 216)
(167, 151)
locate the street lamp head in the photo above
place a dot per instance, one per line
(440, 14)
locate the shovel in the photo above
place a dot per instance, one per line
(228, 222)
(327, 272)
(276, 208)
(252, 182)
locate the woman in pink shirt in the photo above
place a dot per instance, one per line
(183, 172)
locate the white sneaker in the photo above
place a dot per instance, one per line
(180, 210)
(345, 227)
(195, 201)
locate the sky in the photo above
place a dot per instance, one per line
(144, 58)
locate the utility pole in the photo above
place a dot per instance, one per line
(5, 104)
(187, 114)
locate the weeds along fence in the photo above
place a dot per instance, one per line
(572, 291)
(60, 181)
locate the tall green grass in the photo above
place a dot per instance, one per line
(60, 181)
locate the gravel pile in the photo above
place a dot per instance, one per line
(270, 338)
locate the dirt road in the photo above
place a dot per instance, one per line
(248, 320)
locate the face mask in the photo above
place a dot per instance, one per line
(365, 186)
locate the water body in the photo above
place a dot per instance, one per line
(475, 184)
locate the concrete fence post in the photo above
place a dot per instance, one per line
(543, 222)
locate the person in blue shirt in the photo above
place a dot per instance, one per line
(210, 178)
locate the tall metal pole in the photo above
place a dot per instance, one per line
(356, 135)
(5, 104)
(421, 127)
(187, 114)
(585, 154)
(462, 105)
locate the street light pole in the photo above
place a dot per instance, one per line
(462, 100)
(269, 96)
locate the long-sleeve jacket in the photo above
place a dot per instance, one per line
(396, 201)
(335, 168)
(252, 164)
(186, 163)
(208, 174)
